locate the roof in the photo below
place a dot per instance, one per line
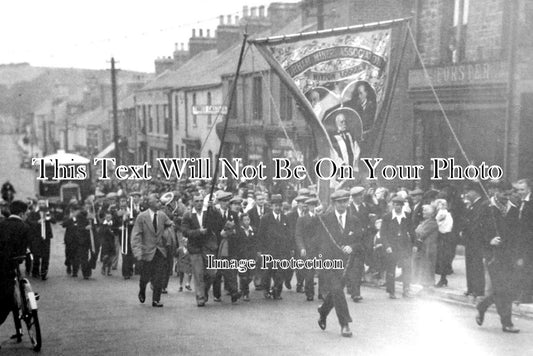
(66, 158)
(208, 67)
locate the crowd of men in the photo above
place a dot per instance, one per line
(373, 230)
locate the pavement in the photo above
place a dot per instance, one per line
(102, 316)
(456, 288)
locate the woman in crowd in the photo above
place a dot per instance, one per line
(426, 236)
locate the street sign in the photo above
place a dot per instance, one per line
(209, 109)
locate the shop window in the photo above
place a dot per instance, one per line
(257, 98)
(454, 36)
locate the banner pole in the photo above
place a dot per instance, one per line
(230, 104)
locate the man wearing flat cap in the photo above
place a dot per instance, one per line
(361, 212)
(307, 243)
(416, 206)
(398, 237)
(478, 216)
(274, 239)
(292, 217)
(341, 237)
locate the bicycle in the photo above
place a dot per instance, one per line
(25, 308)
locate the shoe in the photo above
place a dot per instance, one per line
(44, 277)
(288, 285)
(480, 317)
(320, 297)
(321, 320)
(392, 296)
(142, 297)
(310, 299)
(87, 277)
(200, 303)
(267, 295)
(235, 297)
(442, 283)
(181, 289)
(406, 294)
(157, 304)
(69, 270)
(74, 275)
(109, 274)
(299, 289)
(510, 329)
(467, 293)
(259, 288)
(127, 277)
(246, 298)
(164, 291)
(218, 300)
(345, 331)
(357, 298)
(277, 297)
(188, 287)
(35, 275)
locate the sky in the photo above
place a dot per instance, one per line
(86, 34)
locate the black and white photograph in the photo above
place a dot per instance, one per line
(254, 177)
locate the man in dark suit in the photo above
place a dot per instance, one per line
(308, 242)
(416, 206)
(499, 243)
(197, 227)
(40, 222)
(14, 241)
(256, 213)
(398, 238)
(292, 217)
(478, 217)
(149, 246)
(274, 239)
(360, 211)
(341, 237)
(525, 232)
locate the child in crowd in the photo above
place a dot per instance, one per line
(107, 239)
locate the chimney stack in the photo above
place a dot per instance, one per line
(201, 33)
(229, 20)
(193, 32)
(253, 11)
(221, 20)
(183, 46)
(176, 46)
(236, 19)
(208, 33)
(262, 11)
(245, 11)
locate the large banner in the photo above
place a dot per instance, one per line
(342, 77)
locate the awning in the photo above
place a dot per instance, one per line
(106, 151)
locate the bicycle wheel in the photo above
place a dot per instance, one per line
(34, 329)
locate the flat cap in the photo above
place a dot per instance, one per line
(276, 199)
(300, 198)
(224, 196)
(339, 195)
(166, 198)
(303, 191)
(356, 190)
(235, 200)
(398, 199)
(312, 201)
(416, 191)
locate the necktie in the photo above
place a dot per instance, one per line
(154, 222)
(340, 223)
(349, 149)
(521, 209)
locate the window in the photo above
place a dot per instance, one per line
(166, 119)
(257, 98)
(157, 107)
(209, 118)
(150, 120)
(454, 38)
(285, 103)
(194, 118)
(176, 111)
(233, 113)
(143, 125)
(177, 153)
(182, 152)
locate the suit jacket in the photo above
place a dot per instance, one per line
(275, 237)
(14, 239)
(255, 219)
(478, 222)
(504, 226)
(306, 236)
(399, 237)
(144, 240)
(525, 226)
(363, 215)
(416, 215)
(200, 242)
(351, 235)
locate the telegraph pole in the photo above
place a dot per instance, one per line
(115, 110)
